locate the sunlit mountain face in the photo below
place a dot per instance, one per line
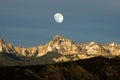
(58, 49)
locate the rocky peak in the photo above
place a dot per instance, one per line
(113, 48)
(62, 45)
(10, 45)
(59, 39)
(2, 41)
(94, 48)
(6, 47)
(112, 44)
(93, 43)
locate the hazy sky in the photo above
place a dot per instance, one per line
(30, 22)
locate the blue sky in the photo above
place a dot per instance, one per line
(30, 22)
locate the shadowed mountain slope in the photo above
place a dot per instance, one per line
(7, 59)
(97, 68)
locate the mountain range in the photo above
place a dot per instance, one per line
(60, 59)
(59, 49)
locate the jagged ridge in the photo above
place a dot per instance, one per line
(65, 48)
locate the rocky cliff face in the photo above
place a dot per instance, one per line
(94, 48)
(63, 46)
(6, 47)
(113, 48)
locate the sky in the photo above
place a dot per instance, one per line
(30, 23)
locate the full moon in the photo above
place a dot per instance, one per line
(58, 17)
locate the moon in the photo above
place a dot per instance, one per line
(58, 17)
